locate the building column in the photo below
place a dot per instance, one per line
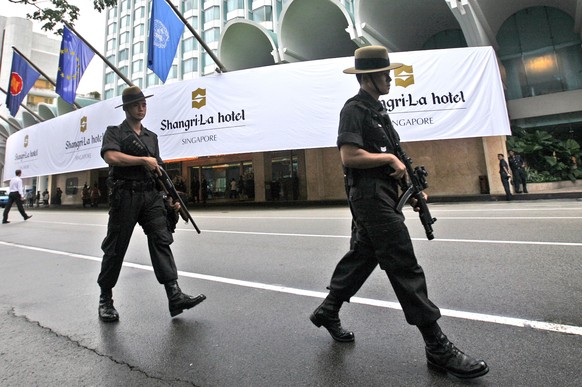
(492, 146)
(262, 169)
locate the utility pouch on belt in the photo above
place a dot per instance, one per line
(131, 146)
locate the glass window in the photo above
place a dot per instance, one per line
(189, 44)
(173, 74)
(138, 48)
(123, 70)
(112, 28)
(263, 14)
(137, 66)
(212, 35)
(139, 13)
(193, 21)
(109, 94)
(152, 79)
(138, 30)
(125, 21)
(212, 13)
(190, 66)
(111, 44)
(123, 54)
(233, 5)
(540, 53)
(124, 38)
(187, 5)
(109, 77)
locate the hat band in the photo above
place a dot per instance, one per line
(132, 97)
(371, 63)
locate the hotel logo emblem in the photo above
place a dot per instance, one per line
(83, 124)
(26, 141)
(404, 76)
(198, 98)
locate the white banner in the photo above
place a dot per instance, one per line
(440, 94)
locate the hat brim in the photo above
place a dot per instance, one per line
(353, 70)
(137, 100)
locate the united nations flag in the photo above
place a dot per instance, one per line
(166, 28)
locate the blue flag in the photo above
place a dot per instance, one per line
(74, 59)
(165, 31)
(22, 78)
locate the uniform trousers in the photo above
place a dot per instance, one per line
(128, 208)
(381, 238)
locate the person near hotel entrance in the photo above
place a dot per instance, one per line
(366, 140)
(135, 198)
(517, 167)
(505, 175)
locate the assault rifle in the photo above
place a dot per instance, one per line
(163, 179)
(413, 188)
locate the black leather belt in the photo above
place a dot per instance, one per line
(137, 185)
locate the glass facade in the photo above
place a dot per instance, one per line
(540, 53)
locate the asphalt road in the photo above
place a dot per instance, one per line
(506, 275)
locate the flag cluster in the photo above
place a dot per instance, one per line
(166, 29)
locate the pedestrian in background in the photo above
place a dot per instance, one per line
(16, 195)
(517, 167)
(505, 175)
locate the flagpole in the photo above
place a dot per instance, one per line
(221, 68)
(24, 106)
(40, 71)
(111, 66)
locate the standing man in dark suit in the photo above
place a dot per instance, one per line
(505, 175)
(517, 167)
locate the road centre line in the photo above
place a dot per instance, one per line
(517, 322)
(436, 240)
(414, 239)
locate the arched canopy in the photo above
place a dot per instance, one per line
(310, 30)
(245, 44)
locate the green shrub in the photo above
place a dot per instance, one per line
(548, 158)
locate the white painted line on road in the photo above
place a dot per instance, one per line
(522, 323)
(414, 239)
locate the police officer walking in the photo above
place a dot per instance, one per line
(366, 141)
(135, 198)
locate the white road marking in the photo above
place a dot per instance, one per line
(517, 322)
(436, 240)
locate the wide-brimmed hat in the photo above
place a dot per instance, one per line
(132, 94)
(371, 59)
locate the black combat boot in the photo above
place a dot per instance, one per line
(327, 314)
(443, 356)
(180, 301)
(107, 311)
